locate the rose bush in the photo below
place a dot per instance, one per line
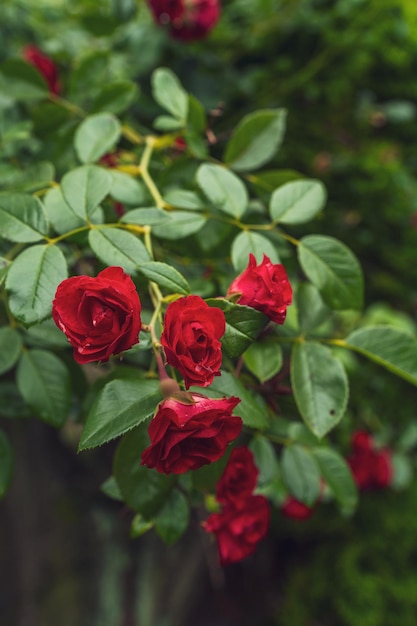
(201, 239)
(100, 316)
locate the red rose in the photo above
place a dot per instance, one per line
(191, 339)
(361, 440)
(239, 527)
(264, 287)
(45, 66)
(294, 509)
(190, 431)
(239, 477)
(187, 20)
(371, 467)
(100, 316)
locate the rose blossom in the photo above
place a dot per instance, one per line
(294, 509)
(187, 20)
(264, 287)
(189, 431)
(45, 66)
(239, 477)
(100, 316)
(371, 467)
(191, 339)
(239, 527)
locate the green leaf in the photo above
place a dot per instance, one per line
(310, 307)
(22, 81)
(301, 474)
(196, 120)
(140, 526)
(126, 189)
(243, 325)
(44, 382)
(6, 463)
(32, 177)
(96, 135)
(115, 97)
(111, 489)
(114, 246)
(223, 188)
(145, 217)
(184, 199)
(84, 188)
(22, 218)
(337, 474)
(266, 182)
(144, 490)
(263, 359)
(169, 93)
(333, 269)
(392, 348)
(32, 281)
(167, 124)
(403, 471)
(297, 202)
(60, 215)
(90, 73)
(172, 520)
(320, 386)
(4, 267)
(12, 404)
(165, 276)
(45, 335)
(256, 139)
(251, 409)
(265, 458)
(179, 224)
(120, 405)
(248, 242)
(10, 348)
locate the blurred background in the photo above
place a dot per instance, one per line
(345, 71)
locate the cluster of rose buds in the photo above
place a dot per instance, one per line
(244, 517)
(187, 20)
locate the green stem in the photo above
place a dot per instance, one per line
(69, 106)
(147, 179)
(131, 135)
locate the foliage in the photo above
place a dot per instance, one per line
(135, 164)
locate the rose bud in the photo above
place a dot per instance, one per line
(187, 20)
(264, 287)
(100, 316)
(239, 527)
(294, 509)
(45, 66)
(239, 477)
(190, 431)
(191, 339)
